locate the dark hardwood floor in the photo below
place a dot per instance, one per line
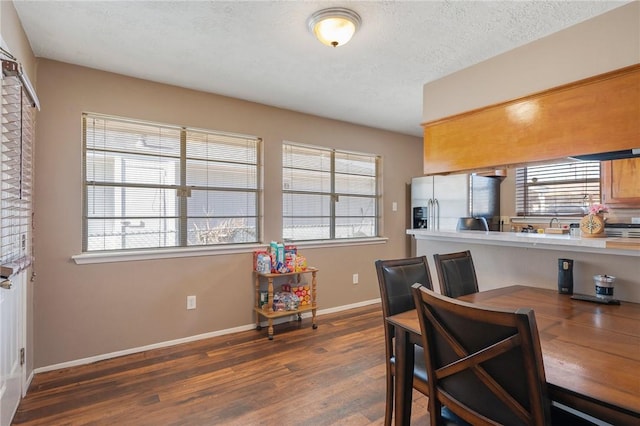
(334, 375)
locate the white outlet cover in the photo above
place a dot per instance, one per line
(191, 302)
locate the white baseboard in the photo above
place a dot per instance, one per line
(165, 344)
(28, 383)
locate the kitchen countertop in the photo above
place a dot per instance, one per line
(617, 246)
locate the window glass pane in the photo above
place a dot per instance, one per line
(208, 231)
(222, 148)
(221, 175)
(111, 134)
(355, 164)
(132, 168)
(557, 189)
(317, 228)
(355, 227)
(306, 158)
(132, 233)
(210, 203)
(127, 202)
(133, 202)
(306, 180)
(306, 205)
(356, 206)
(354, 184)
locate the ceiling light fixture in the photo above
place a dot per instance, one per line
(334, 26)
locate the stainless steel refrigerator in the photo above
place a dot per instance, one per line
(437, 202)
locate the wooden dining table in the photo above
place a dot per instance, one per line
(591, 351)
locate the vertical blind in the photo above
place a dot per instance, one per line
(557, 189)
(16, 177)
(328, 194)
(150, 185)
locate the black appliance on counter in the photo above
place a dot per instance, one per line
(472, 224)
(565, 276)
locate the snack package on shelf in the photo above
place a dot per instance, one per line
(285, 301)
(262, 262)
(279, 253)
(301, 263)
(303, 292)
(273, 249)
(291, 249)
(290, 261)
(264, 299)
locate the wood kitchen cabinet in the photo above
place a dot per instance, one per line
(589, 116)
(620, 182)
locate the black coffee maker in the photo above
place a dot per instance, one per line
(565, 276)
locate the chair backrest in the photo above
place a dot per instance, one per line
(485, 365)
(456, 273)
(395, 278)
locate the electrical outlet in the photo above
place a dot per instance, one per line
(191, 302)
(394, 207)
(355, 278)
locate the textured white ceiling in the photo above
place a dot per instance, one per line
(261, 51)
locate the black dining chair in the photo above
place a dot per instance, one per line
(484, 364)
(395, 278)
(456, 273)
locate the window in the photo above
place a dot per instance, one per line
(557, 189)
(18, 114)
(150, 185)
(328, 194)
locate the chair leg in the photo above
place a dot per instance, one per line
(388, 410)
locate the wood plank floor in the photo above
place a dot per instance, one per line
(334, 375)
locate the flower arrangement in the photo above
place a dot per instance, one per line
(598, 209)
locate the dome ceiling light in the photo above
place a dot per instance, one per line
(334, 26)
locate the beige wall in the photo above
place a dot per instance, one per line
(88, 310)
(604, 43)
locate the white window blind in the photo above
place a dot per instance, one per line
(150, 185)
(16, 175)
(557, 189)
(328, 194)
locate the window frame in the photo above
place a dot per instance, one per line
(188, 138)
(333, 195)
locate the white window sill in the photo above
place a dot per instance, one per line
(338, 243)
(151, 254)
(168, 253)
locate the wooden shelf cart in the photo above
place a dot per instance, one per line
(267, 311)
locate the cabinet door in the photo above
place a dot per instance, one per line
(620, 182)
